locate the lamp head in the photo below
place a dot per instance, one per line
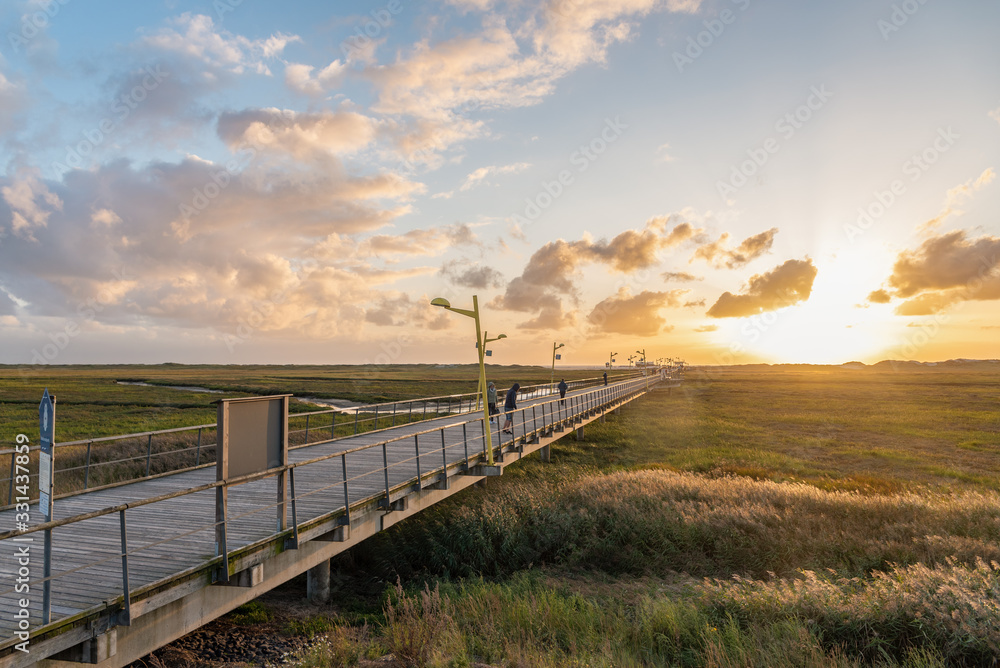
(501, 336)
(441, 301)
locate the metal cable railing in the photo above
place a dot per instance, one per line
(116, 460)
(409, 462)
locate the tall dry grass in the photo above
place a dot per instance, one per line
(657, 522)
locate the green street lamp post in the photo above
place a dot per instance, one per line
(612, 362)
(481, 342)
(552, 380)
(645, 370)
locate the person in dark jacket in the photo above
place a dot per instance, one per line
(509, 406)
(605, 378)
(562, 390)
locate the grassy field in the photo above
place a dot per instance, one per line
(759, 516)
(91, 403)
(785, 516)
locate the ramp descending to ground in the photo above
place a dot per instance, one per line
(156, 538)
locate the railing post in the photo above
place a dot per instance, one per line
(86, 468)
(197, 458)
(347, 498)
(295, 517)
(149, 453)
(385, 464)
(482, 423)
(394, 414)
(444, 455)
(375, 428)
(465, 443)
(416, 445)
(333, 425)
(125, 589)
(307, 428)
(221, 547)
(356, 412)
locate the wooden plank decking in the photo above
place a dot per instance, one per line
(169, 537)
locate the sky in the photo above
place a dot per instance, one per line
(722, 181)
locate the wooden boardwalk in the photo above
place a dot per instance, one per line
(170, 537)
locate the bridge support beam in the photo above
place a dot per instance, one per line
(97, 649)
(318, 583)
(579, 433)
(545, 453)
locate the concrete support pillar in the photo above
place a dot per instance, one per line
(602, 416)
(545, 452)
(579, 433)
(318, 583)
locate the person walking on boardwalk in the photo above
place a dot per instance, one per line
(562, 390)
(509, 406)
(491, 401)
(605, 379)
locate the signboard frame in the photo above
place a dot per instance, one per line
(46, 489)
(251, 437)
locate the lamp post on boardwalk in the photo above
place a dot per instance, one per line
(487, 353)
(552, 380)
(645, 371)
(481, 346)
(612, 362)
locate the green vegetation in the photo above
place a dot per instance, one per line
(760, 517)
(93, 403)
(785, 516)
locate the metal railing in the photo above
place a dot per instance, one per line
(410, 462)
(116, 460)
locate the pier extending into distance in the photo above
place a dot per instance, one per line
(138, 564)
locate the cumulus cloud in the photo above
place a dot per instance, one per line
(420, 241)
(633, 315)
(551, 273)
(398, 310)
(944, 270)
(786, 284)
(195, 36)
(718, 255)
(879, 296)
(266, 248)
(475, 276)
(680, 277)
(478, 176)
(299, 77)
(955, 196)
(706, 328)
(298, 135)
(31, 204)
(438, 85)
